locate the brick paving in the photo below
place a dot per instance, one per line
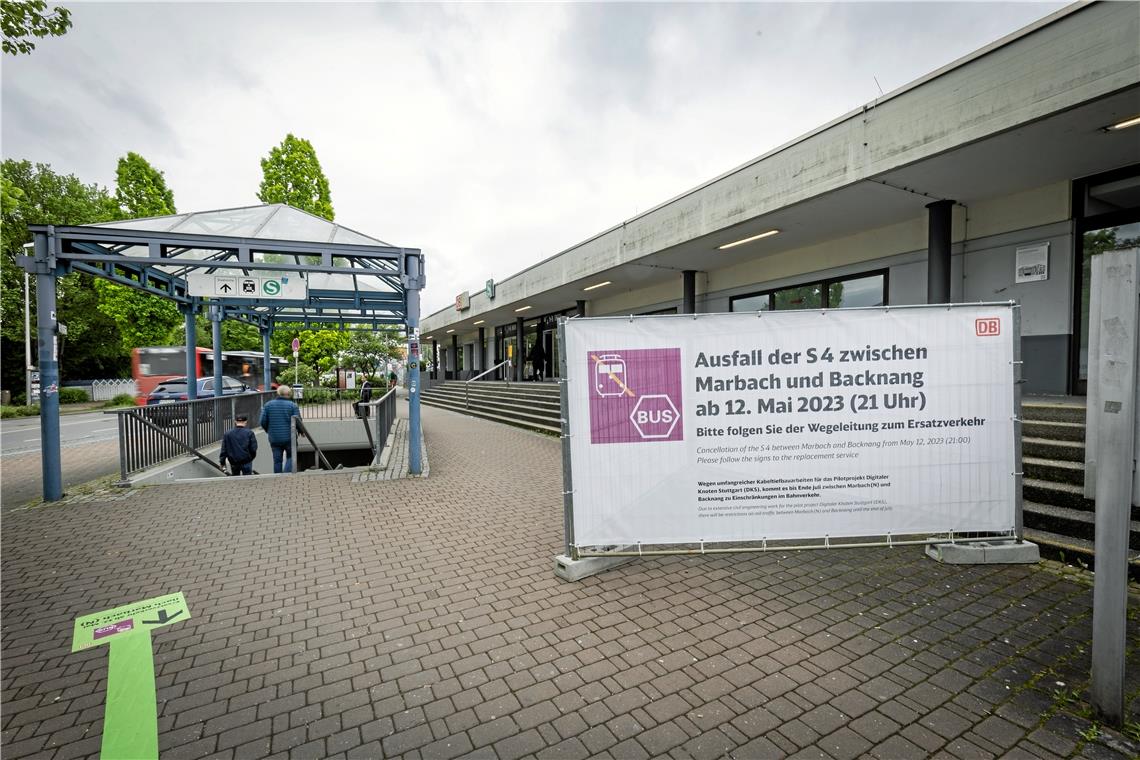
(421, 617)
(21, 476)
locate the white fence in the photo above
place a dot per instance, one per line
(105, 390)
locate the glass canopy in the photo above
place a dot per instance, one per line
(272, 221)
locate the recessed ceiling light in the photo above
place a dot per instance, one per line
(522, 308)
(481, 321)
(451, 331)
(769, 233)
(599, 285)
(1124, 124)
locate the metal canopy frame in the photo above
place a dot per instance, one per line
(351, 285)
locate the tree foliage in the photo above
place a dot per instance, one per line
(370, 351)
(292, 174)
(34, 194)
(319, 348)
(141, 190)
(23, 20)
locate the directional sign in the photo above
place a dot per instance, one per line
(130, 715)
(278, 287)
(103, 627)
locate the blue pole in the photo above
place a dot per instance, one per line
(216, 343)
(415, 458)
(267, 370)
(191, 353)
(48, 340)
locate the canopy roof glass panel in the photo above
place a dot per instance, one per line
(272, 221)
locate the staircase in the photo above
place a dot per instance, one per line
(1057, 515)
(533, 406)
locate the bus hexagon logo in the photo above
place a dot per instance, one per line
(654, 416)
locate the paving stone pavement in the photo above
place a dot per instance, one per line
(21, 476)
(421, 617)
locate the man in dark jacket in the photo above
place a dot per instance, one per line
(365, 397)
(276, 419)
(239, 447)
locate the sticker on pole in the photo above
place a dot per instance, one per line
(636, 395)
(109, 625)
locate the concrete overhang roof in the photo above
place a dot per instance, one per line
(1024, 112)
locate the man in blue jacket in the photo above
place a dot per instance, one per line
(275, 420)
(239, 446)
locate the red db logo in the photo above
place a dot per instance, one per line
(987, 326)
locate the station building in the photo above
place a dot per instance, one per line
(994, 178)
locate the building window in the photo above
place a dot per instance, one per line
(867, 289)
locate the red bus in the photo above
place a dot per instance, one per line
(155, 364)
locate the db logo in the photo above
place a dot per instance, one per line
(654, 416)
(987, 326)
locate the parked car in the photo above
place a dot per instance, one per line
(174, 389)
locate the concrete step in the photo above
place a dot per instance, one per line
(528, 422)
(1057, 494)
(502, 409)
(1057, 431)
(1075, 523)
(493, 396)
(1053, 411)
(1053, 470)
(1048, 448)
(1078, 552)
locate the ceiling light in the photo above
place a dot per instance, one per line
(522, 308)
(1124, 124)
(451, 331)
(599, 285)
(769, 233)
(481, 321)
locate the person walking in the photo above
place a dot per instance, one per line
(239, 447)
(365, 397)
(276, 419)
(538, 359)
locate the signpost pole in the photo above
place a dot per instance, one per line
(46, 334)
(567, 477)
(267, 360)
(412, 282)
(216, 342)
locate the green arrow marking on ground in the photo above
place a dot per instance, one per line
(271, 287)
(130, 718)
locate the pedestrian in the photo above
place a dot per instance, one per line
(538, 359)
(276, 419)
(365, 397)
(239, 447)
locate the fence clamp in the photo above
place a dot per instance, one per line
(890, 541)
(826, 542)
(702, 546)
(568, 493)
(638, 543)
(1018, 474)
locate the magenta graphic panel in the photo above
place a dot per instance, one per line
(635, 395)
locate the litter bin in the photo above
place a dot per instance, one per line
(298, 392)
(6, 398)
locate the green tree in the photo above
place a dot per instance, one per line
(143, 319)
(369, 351)
(292, 174)
(319, 348)
(34, 194)
(141, 189)
(24, 19)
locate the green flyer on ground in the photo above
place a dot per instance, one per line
(138, 617)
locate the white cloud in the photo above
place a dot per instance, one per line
(491, 136)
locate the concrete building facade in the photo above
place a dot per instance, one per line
(1019, 156)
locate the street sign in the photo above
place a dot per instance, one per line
(103, 627)
(296, 345)
(275, 287)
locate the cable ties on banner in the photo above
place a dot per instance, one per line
(568, 435)
(765, 545)
(890, 541)
(702, 546)
(630, 317)
(567, 493)
(1017, 474)
(1015, 418)
(952, 539)
(827, 542)
(638, 543)
(1016, 362)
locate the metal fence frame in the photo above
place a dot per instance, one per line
(764, 545)
(153, 434)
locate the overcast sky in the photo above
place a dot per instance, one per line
(490, 136)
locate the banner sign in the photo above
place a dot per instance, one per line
(792, 425)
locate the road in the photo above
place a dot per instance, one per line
(89, 450)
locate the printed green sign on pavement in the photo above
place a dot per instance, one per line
(104, 627)
(130, 717)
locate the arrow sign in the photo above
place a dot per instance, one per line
(225, 287)
(130, 715)
(163, 618)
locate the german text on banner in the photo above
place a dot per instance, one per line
(791, 425)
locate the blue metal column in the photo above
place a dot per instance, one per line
(47, 337)
(267, 370)
(189, 312)
(414, 282)
(216, 343)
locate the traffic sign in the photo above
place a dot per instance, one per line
(275, 287)
(296, 345)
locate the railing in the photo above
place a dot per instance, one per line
(384, 412)
(150, 435)
(467, 383)
(330, 403)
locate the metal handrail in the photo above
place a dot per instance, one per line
(385, 414)
(467, 383)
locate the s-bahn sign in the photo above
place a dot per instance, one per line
(281, 287)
